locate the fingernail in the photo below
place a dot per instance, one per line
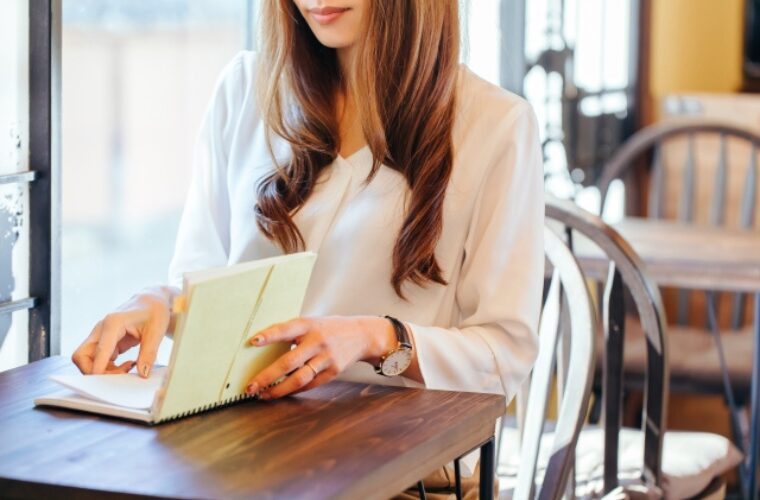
(144, 370)
(252, 388)
(256, 340)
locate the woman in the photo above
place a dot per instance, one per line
(418, 184)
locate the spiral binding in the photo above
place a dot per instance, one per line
(211, 406)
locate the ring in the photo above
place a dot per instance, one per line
(312, 368)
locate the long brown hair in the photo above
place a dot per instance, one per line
(406, 79)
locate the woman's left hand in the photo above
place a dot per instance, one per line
(324, 348)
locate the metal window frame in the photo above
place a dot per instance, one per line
(44, 179)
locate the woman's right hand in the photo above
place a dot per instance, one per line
(144, 319)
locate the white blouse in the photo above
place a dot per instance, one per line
(478, 332)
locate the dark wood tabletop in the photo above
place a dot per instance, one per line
(341, 440)
(685, 255)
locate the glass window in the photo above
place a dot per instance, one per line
(14, 205)
(137, 77)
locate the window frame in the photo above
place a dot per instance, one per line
(44, 189)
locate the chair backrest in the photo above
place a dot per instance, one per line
(626, 270)
(572, 359)
(655, 139)
(712, 151)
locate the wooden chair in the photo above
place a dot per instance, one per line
(663, 464)
(706, 173)
(694, 147)
(567, 353)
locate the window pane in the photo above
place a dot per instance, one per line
(137, 77)
(14, 201)
(14, 272)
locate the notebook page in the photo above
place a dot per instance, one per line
(127, 390)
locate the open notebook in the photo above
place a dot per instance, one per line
(211, 362)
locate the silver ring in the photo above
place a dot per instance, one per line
(312, 368)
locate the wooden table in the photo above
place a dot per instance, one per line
(687, 255)
(698, 257)
(338, 441)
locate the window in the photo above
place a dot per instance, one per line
(14, 188)
(137, 77)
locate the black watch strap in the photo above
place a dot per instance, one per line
(402, 335)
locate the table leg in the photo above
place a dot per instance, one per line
(487, 469)
(457, 480)
(754, 430)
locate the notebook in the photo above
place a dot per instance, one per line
(211, 362)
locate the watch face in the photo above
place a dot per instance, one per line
(396, 362)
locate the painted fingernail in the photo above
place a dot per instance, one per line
(256, 340)
(145, 370)
(252, 388)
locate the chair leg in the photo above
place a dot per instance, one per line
(733, 408)
(595, 413)
(754, 437)
(614, 326)
(421, 490)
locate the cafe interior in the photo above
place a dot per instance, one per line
(646, 382)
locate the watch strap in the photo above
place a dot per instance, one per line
(402, 335)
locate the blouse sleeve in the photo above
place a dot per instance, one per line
(494, 346)
(203, 238)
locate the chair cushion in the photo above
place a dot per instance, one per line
(690, 460)
(692, 354)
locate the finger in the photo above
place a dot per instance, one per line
(122, 368)
(111, 332)
(320, 379)
(281, 332)
(84, 355)
(287, 363)
(293, 382)
(320, 362)
(299, 379)
(149, 343)
(126, 343)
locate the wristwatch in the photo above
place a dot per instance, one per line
(398, 359)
